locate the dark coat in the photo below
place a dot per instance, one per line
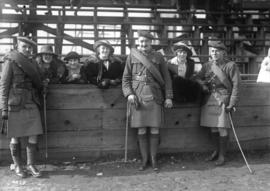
(55, 73)
(184, 89)
(96, 72)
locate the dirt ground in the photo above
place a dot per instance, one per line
(181, 172)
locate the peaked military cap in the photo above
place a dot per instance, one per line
(26, 40)
(217, 44)
(145, 34)
(104, 43)
(72, 55)
(46, 49)
(182, 46)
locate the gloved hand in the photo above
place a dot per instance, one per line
(133, 100)
(104, 84)
(205, 88)
(229, 109)
(168, 103)
(115, 82)
(4, 115)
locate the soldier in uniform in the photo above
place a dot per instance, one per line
(104, 69)
(20, 83)
(146, 83)
(51, 67)
(220, 80)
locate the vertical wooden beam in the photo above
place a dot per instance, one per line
(95, 24)
(59, 35)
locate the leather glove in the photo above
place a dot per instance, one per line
(168, 103)
(4, 115)
(104, 84)
(133, 100)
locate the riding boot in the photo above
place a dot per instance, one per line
(15, 152)
(31, 151)
(143, 144)
(223, 141)
(154, 141)
(215, 139)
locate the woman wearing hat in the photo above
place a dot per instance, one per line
(75, 71)
(220, 80)
(104, 69)
(52, 68)
(181, 68)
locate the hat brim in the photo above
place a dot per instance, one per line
(182, 47)
(51, 53)
(104, 44)
(26, 40)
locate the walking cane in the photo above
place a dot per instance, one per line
(127, 126)
(238, 143)
(45, 124)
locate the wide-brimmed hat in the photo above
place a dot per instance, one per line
(217, 44)
(72, 55)
(46, 49)
(104, 43)
(145, 34)
(182, 46)
(26, 40)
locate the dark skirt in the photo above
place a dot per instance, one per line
(185, 90)
(26, 122)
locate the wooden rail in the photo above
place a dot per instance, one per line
(86, 122)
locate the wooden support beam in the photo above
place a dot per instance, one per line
(67, 37)
(9, 32)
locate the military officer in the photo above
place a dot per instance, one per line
(147, 85)
(220, 80)
(20, 82)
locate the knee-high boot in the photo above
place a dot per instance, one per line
(31, 152)
(15, 154)
(215, 140)
(143, 144)
(223, 142)
(154, 141)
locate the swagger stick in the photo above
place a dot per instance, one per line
(236, 138)
(127, 126)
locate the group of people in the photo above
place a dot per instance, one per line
(148, 82)
(102, 69)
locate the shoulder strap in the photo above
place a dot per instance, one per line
(149, 65)
(221, 76)
(27, 66)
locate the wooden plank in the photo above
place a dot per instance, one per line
(252, 116)
(84, 97)
(74, 120)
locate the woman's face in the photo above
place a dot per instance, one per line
(103, 52)
(73, 63)
(181, 54)
(47, 58)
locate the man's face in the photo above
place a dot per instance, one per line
(24, 48)
(216, 54)
(144, 43)
(103, 52)
(47, 58)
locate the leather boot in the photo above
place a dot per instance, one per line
(31, 151)
(143, 144)
(223, 141)
(15, 152)
(154, 141)
(215, 139)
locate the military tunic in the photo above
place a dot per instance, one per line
(19, 97)
(139, 81)
(213, 110)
